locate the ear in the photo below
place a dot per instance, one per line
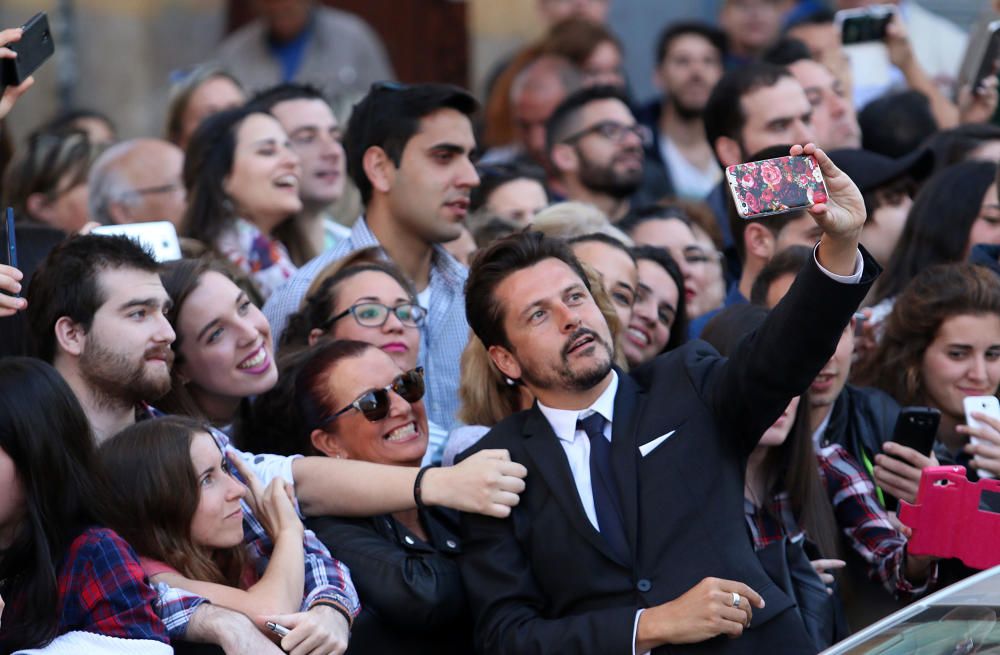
(504, 360)
(70, 336)
(758, 241)
(315, 335)
(120, 214)
(728, 151)
(379, 168)
(38, 205)
(564, 158)
(327, 444)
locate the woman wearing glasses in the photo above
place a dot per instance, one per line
(366, 298)
(351, 400)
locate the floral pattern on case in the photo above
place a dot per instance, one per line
(776, 185)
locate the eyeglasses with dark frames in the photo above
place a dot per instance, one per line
(375, 314)
(612, 131)
(375, 403)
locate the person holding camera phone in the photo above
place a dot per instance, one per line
(941, 345)
(606, 448)
(10, 277)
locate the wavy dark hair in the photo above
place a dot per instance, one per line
(935, 295)
(209, 158)
(44, 431)
(937, 228)
(150, 475)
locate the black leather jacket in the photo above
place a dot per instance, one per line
(412, 598)
(862, 419)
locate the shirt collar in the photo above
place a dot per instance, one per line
(563, 421)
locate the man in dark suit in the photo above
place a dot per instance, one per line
(631, 534)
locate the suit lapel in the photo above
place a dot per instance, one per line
(628, 402)
(549, 458)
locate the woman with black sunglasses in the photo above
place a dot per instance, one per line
(367, 298)
(351, 400)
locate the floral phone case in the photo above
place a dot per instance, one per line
(776, 186)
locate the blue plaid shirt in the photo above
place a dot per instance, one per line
(442, 337)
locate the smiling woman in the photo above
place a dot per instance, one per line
(353, 400)
(242, 179)
(223, 351)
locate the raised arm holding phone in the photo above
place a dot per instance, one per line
(10, 276)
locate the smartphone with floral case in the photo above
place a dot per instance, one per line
(776, 186)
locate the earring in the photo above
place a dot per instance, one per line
(228, 207)
(510, 382)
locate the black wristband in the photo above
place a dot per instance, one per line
(417, 490)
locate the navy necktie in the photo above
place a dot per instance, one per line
(602, 482)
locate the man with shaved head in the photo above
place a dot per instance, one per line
(138, 181)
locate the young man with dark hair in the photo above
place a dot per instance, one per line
(315, 135)
(689, 58)
(596, 149)
(757, 106)
(409, 151)
(99, 317)
(638, 479)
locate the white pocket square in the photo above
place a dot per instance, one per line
(650, 446)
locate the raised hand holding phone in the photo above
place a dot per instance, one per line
(10, 94)
(982, 418)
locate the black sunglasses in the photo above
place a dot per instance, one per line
(374, 403)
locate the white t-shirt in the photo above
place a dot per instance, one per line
(689, 180)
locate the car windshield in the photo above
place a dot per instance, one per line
(940, 630)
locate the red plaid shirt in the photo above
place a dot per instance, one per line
(860, 517)
(102, 589)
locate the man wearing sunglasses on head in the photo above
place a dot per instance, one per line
(595, 146)
(631, 536)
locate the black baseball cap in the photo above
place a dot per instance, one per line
(870, 170)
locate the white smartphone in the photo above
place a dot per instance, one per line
(159, 236)
(988, 405)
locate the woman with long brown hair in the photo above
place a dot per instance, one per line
(172, 472)
(941, 344)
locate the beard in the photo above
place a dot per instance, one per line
(565, 376)
(117, 380)
(684, 111)
(607, 180)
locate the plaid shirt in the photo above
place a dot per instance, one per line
(327, 581)
(860, 516)
(102, 589)
(442, 337)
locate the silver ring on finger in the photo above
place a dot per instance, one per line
(736, 600)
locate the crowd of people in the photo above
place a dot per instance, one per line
(510, 375)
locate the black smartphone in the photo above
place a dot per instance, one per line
(36, 45)
(915, 428)
(10, 241)
(990, 62)
(865, 24)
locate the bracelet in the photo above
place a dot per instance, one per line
(417, 490)
(325, 602)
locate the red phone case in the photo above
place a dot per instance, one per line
(775, 186)
(947, 521)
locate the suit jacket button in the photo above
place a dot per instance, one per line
(644, 585)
